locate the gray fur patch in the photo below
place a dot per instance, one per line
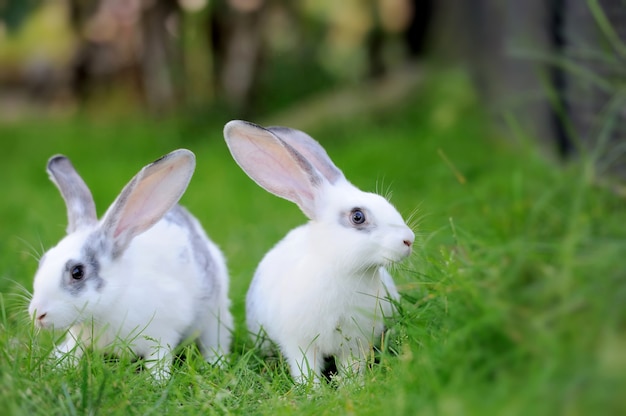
(91, 258)
(201, 254)
(178, 215)
(71, 285)
(311, 171)
(367, 226)
(93, 248)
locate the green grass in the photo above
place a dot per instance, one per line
(514, 301)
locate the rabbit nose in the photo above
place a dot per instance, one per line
(408, 239)
(40, 319)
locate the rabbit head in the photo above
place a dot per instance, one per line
(69, 285)
(362, 227)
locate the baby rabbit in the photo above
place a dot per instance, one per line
(145, 274)
(323, 290)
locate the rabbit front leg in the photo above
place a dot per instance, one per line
(352, 358)
(69, 351)
(215, 338)
(158, 362)
(304, 364)
(350, 365)
(212, 348)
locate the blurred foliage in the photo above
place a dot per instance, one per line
(186, 55)
(13, 13)
(42, 34)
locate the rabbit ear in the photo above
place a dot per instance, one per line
(148, 197)
(274, 164)
(81, 209)
(311, 150)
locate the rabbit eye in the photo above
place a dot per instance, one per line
(78, 272)
(357, 216)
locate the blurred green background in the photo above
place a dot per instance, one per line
(495, 126)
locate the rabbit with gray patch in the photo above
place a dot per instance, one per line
(324, 289)
(146, 273)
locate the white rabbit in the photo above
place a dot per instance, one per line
(323, 290)
(146, 274)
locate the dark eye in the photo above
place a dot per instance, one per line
(357, 216)
(78, 272)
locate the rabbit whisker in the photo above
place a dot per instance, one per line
(32, 250)
(387, 192)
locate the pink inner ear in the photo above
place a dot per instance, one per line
(271, 165)
(151, 198)
(311, 150)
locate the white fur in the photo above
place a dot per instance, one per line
(153, 296)
(323, 290)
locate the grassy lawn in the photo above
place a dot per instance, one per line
(514, 301)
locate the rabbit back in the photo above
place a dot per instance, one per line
(185, 281)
